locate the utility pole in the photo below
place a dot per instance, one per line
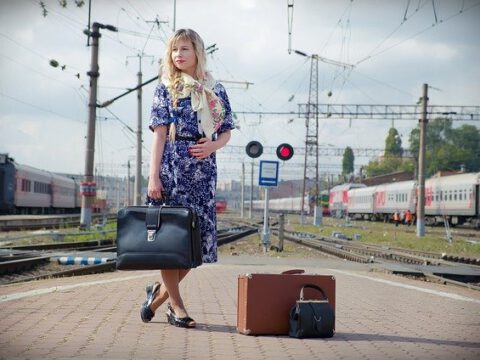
(251, 193)
(311, 140)
(128, 183)
(137, 198)
(174, 14)
(88, 186)
(138, 169)
(242, 192)
(290, 24)
(421, 165)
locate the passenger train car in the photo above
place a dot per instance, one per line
(288, 205)
(338, 198)
(381, 201)
(454, 198)
(26, 190)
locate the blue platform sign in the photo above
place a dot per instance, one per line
(268, 174)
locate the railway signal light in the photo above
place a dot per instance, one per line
(284, 151)
(254, 149)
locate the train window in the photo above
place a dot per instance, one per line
(26, 185)
(455, 195)
(450, 195)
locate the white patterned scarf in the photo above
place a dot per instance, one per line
(208, 106)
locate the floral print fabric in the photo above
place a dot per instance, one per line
(189, 181)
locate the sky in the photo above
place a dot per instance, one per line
(395, 47)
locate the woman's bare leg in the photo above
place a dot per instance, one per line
(171, 279)
(162, 295)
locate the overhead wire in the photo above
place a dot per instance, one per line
(287, 78)
(334, 29)
(132, 132)
(36, 71)
(356, 71)
(441, 21)
(39, 107)
(135, 9)
(151, 8)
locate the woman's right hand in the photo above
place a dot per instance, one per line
(155, 188)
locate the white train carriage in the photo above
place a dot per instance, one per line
(63, 192)
(33, 189)
(291, 204)
(360, 202)
(394, 197)
(454, 197)
(338, 198)
(288, 205)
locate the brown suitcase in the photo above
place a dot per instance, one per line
(264, 300)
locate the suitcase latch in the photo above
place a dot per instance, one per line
(151, 235)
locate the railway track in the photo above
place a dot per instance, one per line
(22, 263)
(32, 222)
(426, 264)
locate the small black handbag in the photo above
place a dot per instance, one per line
(312, 318)
(158, 237)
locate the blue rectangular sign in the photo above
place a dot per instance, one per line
(268, 174)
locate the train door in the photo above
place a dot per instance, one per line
(7, 188)
(476, 196)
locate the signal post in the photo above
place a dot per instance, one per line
(268, 177)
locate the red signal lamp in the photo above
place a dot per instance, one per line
(285, 151)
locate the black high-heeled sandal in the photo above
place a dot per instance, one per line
(185, 322)
(146, 313)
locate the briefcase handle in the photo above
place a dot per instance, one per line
(312, 286)
(293, 272)
(164, 199)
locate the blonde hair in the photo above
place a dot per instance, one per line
(173, 74)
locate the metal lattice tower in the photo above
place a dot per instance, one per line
(310, 169)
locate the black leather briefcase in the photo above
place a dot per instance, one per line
(158, 237)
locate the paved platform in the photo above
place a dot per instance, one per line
(379, 316)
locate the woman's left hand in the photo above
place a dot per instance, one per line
(203, 148)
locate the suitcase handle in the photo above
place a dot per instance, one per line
(293, 272)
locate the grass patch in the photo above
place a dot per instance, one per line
(71, 234)
(385, 234)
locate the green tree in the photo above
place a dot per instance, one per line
(448, 148)
(348, 161)
(392, 160)
(393, 143)
(388, 165)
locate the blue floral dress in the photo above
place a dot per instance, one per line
(187, 180)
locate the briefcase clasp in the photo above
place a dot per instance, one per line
(151, 235)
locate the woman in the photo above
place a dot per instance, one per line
(191, 119)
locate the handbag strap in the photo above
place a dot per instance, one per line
(312, 286)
